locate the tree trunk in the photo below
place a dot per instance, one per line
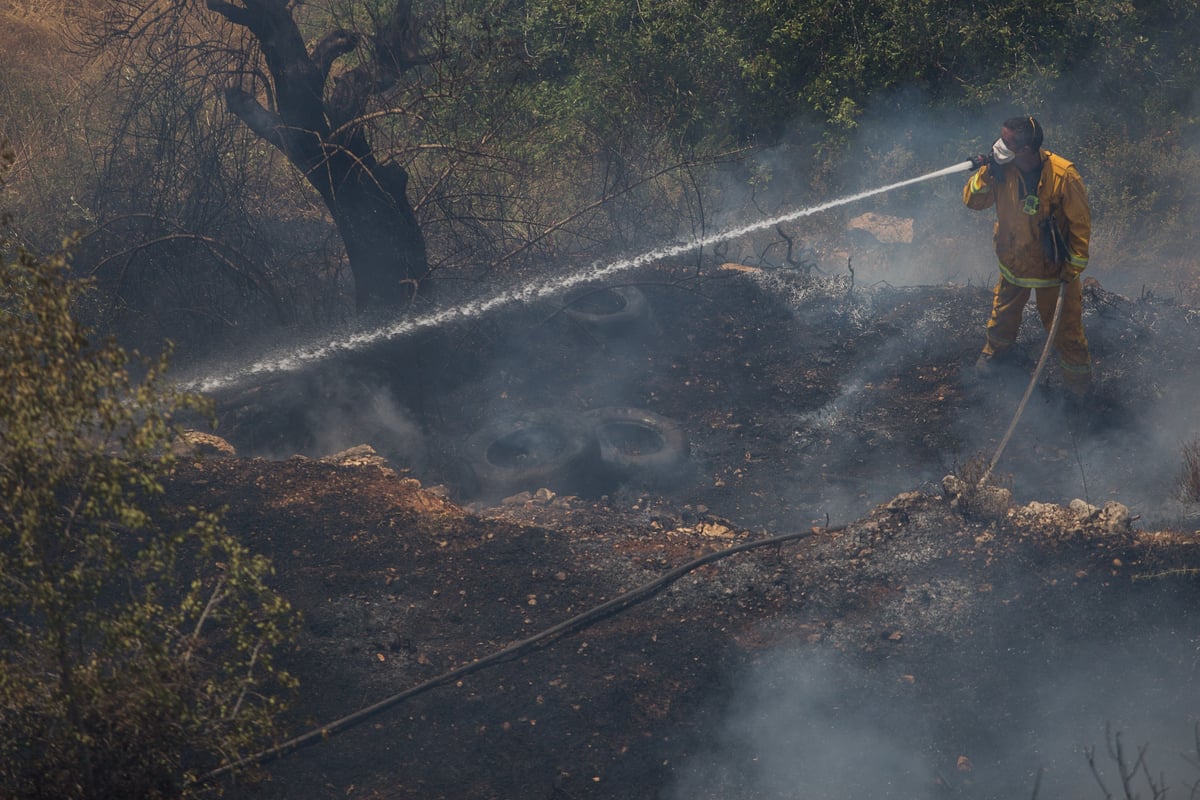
(382, 237)
(320, 134)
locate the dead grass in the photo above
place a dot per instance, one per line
(33, 36)
(975, 497)
(29, 24)
(1189, 478)
(46, 95)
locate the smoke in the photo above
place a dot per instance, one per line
(352, 414)
(989, 719)
(753, 209)
(531, 292)
(802, 726)
(1126, 446)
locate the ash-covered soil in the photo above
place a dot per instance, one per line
(916, 641)
(804, 398)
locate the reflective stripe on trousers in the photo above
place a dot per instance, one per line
(1008, 304)
(1029, 283)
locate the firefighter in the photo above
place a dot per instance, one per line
(1043, 224)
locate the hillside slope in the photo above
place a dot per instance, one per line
(920, 637)
(946, 631)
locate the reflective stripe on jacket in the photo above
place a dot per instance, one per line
(1017, 237)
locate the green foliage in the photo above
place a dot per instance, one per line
(670, 66)
(136, 639)
(839, 57)
(537, 116)
(625, 81)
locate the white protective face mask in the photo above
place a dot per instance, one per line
(1001, 154)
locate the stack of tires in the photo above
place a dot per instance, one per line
(585, 454)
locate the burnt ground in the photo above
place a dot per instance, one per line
(916, 642)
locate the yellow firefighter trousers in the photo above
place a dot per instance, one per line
(1009, 303)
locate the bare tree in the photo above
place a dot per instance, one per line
(317, 119)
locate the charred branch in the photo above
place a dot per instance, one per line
(333, 46)
(264, 123)
(348, 99)
(299, 83)
(235, 14)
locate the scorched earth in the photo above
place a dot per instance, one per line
(918, 635)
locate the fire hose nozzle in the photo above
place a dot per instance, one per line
(981, 160)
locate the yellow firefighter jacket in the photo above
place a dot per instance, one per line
(1018, 237)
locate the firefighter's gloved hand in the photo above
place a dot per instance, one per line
(1069, 273)
(980, 160)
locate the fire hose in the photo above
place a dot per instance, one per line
(1037, 371)
(580, 621)
(639, 594)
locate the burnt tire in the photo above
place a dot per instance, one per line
(609, 310)
(529, 451)
(640, 446)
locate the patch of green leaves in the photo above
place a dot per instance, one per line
(136, 639)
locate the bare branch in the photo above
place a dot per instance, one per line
(216, 249)
(1090, 754)
(607, 197)
(213, 601)
(237, 707)
(263, 122)
(333, 46)
(1037, 784)
(235, 14)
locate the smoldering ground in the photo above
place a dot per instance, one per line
(1026, 705)
(806, 398)
(1000, 717)
(896, 405)
(858, 393)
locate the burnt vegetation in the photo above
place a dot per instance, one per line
(372, 230)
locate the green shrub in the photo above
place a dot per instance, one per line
(136, 639)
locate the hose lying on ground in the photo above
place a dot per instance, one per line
(537, 641)
(1037, 371)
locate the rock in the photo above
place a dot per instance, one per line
(198, 443)
(714, 530)
(904, 501)
(1082, 509)
(986, 499)
(362, 455)
(1078, 516)
(732, 267)
(953, 486)
(885, 229)
(520, 498)
(1114, 518)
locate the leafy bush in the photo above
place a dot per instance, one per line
(136, 639)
